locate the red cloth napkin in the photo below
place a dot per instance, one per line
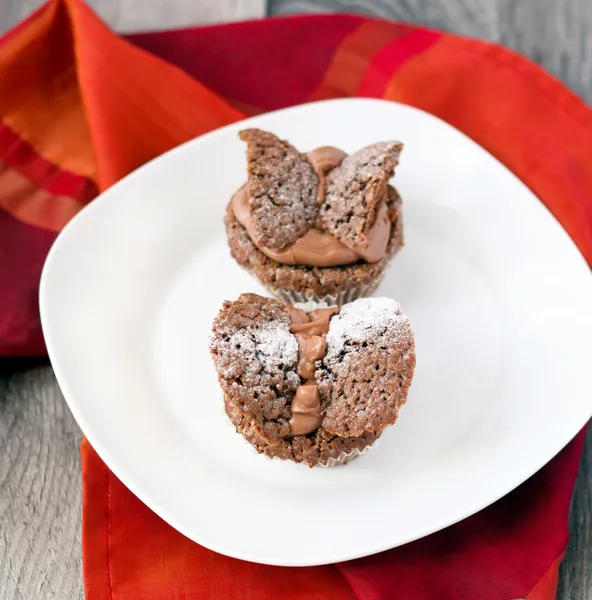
(81, 107)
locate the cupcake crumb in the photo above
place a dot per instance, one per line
(355, 189)
(365, 376)
(283, 188)
(367, 321)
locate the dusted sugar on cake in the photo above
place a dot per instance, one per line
(355, 190)
(283, 188)
(323, 412)
(256, 358)
(367, 371)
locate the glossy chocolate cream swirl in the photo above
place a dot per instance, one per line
(310, 331)
(318, 248)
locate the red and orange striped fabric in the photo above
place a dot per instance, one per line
(81, 107)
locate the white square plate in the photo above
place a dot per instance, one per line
(499, 298)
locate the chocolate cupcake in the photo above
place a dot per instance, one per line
(317, 387)
(316, 229)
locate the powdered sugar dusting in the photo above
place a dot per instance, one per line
(376, 160)
(283, 189)
(276, 344)
(355, 189)
(366, 321)
(269, 347)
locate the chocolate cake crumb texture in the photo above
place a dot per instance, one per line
(367, 370)
(316, 448)
(283, 189)
(354, 190)
(256, 358)
(365, 322)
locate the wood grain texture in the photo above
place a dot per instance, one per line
(141, 15)
(40, 491)
(40, 494)
(557, 34)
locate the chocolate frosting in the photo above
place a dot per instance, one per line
(318, 248)
(310, 331)
(306, 410)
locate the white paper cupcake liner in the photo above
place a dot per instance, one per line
(308, 302)
(346, 457)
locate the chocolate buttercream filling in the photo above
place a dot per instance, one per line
(310, 331)
(318, 248)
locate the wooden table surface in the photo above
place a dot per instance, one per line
(39, 463)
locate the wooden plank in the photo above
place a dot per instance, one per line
(477, 18)
(143, 15)
(40, 491)
(556, 34)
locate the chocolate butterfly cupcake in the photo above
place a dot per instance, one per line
(317, 387)
(316, 229)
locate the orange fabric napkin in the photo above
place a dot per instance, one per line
(81, 107)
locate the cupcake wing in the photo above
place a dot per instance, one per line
(283, 189)
(367, 371)
(256, 358)
(355, 189)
